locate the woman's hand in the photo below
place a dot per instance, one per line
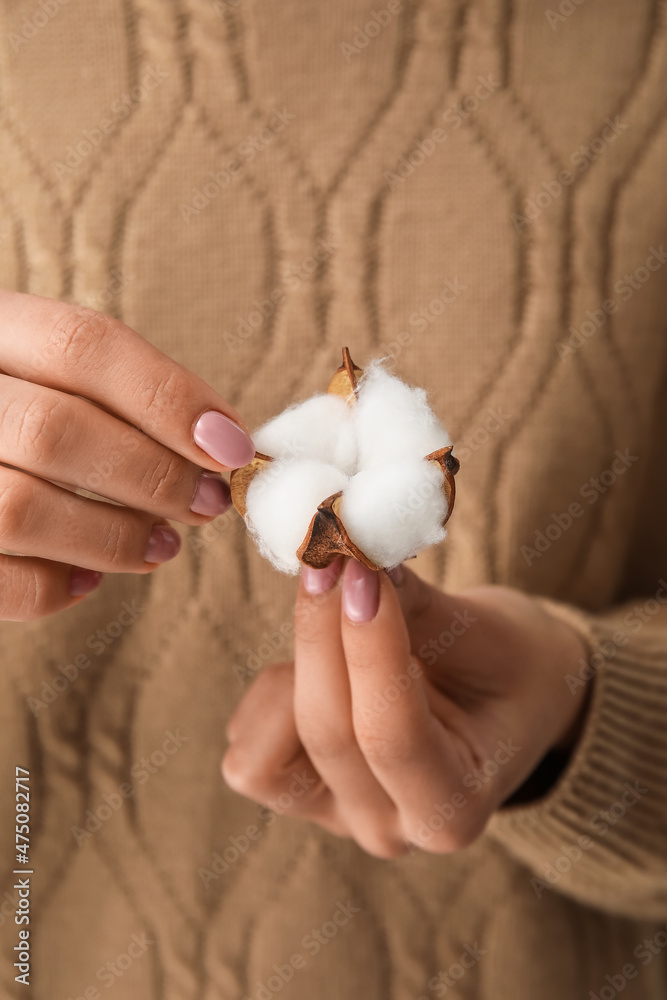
(408, 715)
(85, 402)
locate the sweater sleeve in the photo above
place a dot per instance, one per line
(599, 834)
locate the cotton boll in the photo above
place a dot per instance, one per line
(280, 504)
(320, 428)
(393, 421)
(393, 511)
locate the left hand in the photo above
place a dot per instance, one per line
(408, 715)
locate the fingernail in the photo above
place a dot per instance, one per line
(396, 574)
(361, 592)
(164, 543)
(223, 440)
(212, 496)
(83, 581)
(318, 581)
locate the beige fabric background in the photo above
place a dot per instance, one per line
(109, 232)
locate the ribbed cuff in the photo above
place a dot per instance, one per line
(600, 834)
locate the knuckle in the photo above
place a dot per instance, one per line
(308, 630)
(451, 841)
(381, 847)
(28, 591)
(324, 742)
(38, 429)
(15, 511)
(78, 335)
(162, 395)
(450, 838)
(117, 548)
(383, 746)
(163, 481)
(243, 774)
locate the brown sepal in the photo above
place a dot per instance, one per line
(240, 479)
(344, 382)
(450, 466)
(327, 538)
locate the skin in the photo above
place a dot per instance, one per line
(377, 776)
(77, 389)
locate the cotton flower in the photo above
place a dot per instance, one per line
(365, 470)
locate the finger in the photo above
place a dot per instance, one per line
(265, 760)
(86, 353)
(426, 609)
(67, 439)
(415, 758)
(34, 588)
(40, 519)
(323, 713)
(445, 631)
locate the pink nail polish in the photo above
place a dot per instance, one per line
(361, 592)
(83, 581)
(164, 543)
(223, 440)
(318, 581)
(211, 497)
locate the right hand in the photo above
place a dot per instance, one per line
(86, 402)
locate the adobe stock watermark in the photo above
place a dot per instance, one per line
(121, 109)
(645, 951)
(491, 423)
(102, 299)
(581, 160)
(98, 642)
(238, 845)
(422, 318)
(247, 151)
(206, 534)
(591, 491)
(474, 781)
(565, 11)
(225, 7)
(272, 642)
(140, 772)
(600, 823)
(440, 984)
(454, 117)
(434, 648)
(379, 19)
(624, 288)
(312, 943)
(606, 649)
(247, 326)
(113, 970)
(31, 26)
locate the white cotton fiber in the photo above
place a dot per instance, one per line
(393, 421)
(321, 428)
(392, 511)
(280, 505)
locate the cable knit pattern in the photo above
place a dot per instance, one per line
(430, 253)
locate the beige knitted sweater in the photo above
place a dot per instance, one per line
(477, 189)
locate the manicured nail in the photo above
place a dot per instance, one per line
(164, 543)
(396, 574)
(212, 496)
(361, 592)
(83, 581)
(318, 581)
(223, 440)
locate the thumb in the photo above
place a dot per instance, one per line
(423, 605)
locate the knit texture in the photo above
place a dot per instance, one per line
(250, 196)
